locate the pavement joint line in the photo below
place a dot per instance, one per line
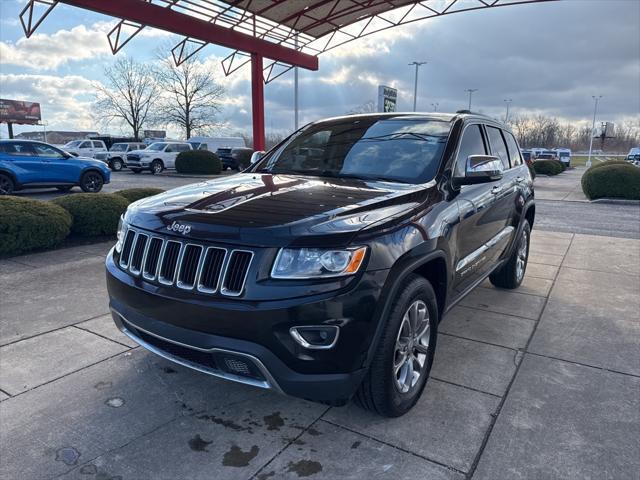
(512, 291)
(6, 393)
(53, 330)
(102, 336)
(573, 362)
(465, 387)
(503, 400)
(71, 373)
(17, 262)
(602, 271)
(481, 310)
(478, 341)
(291, 442)
(495, 311)
(377, 440)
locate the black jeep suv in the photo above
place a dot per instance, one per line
(324, 269)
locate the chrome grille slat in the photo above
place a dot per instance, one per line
(185, 265)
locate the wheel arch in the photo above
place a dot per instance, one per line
(429, 266)
(11, 175)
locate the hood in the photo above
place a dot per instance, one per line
(276, 210)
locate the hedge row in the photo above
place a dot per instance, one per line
(27, 224)
(198, 161)
(614, 179)
(548, 167)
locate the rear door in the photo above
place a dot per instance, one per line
(85, 149)
(27, 167)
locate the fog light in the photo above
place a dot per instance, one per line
(320, 337)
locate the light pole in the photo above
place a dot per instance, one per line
(295, 89)
(593, 126)
(435, 106)
(508, 102)
(415, 84)
(470, 90)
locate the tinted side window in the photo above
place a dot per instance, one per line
(514, 151)
(23, 149)
(498, 147)
(97, 145)
(182, 148)
(472, 143)
(47, 151)
(85, 145)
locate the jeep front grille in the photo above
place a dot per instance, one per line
(185, 265)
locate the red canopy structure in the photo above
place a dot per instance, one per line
(288, 33)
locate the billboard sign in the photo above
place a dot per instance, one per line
(16, 111)
(154, 134)
(607, 130)
(387, 99)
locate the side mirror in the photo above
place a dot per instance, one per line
(256, 156)
(480, 169)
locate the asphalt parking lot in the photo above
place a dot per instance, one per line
(540, 383)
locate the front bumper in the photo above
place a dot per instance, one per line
(201, 333)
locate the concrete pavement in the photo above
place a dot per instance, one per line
(541, 382)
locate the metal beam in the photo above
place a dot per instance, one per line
(167, 19)
(257, 96)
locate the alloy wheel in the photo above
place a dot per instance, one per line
(93, 182)
(6, 186)
(412, 347)
(521, 260)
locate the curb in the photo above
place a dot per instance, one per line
(616, 201)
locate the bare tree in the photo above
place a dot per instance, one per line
(128, 94)
(191, 96)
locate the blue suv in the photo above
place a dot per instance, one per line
(28, 164)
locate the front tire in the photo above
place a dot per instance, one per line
(116, 164)
(511, 274)
(6, 184)
(402, 363)
(91, 182)
(156, 167)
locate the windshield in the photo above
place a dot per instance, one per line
(394, 149)
(564, 154)
(118, 147)
(545, 156)
(73, 144)
(156, 147)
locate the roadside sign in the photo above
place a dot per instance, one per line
(387, 99)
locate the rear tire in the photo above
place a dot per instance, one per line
(402, 363)
(91, 182)
(156, 167)
(511, 274)
(116, 164)
(6, 184)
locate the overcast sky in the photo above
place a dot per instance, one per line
(549, 58)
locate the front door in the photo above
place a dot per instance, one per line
(58, 167)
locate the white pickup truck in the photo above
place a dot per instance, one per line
(156, 157)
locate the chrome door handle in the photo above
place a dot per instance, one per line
(519, 179)
(496, 190)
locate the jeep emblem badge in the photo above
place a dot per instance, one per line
(179, 227)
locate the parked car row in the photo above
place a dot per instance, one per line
(561, 154)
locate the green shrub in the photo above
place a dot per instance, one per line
(133, 194)
(198, 161)
(612, 181)
(607, 163)
(562, 165)
(93, 213)
(547, 167)
(27, 224)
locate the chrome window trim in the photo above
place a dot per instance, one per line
(269, 383)
(223, 289)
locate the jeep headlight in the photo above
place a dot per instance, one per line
(120, 234)
(300, 263)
